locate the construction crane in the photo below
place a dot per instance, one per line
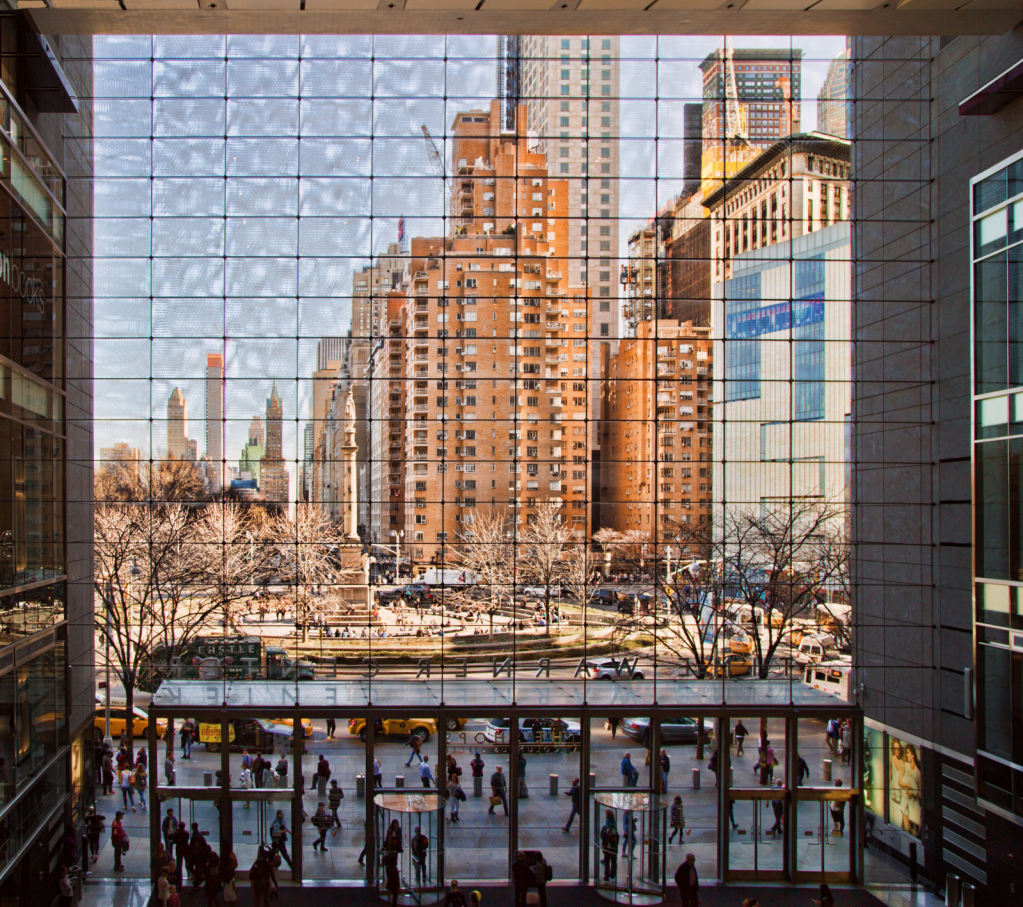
(433, 151)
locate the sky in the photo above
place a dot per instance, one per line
(363, 101)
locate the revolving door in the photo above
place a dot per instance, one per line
(629, 846)
(409, 831)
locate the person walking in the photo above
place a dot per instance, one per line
(392, 849)
(259, 880)
(833, 735)
(163, 887)
(119, 840)
(498, 790)
(186, 740)
(628, 833)
(740, 736)
(838, 812)
(141, 783)
(322, 823)
(455, 796)
(279, 832)
(425, 774)
(378, 773)
(127, 784)
(108, 773)
(575, 793)
(712, 766)
(688, 881)
(331, 728)
(93, 829)
(678, 820)
(420, 847)
(613, 725)
(630, 774)
(334, 797)
(168, 827)
(168, 769)
(609, 846)
(778, 806)
(665, 768)
(846, 738)
(415, 744)
(802, 770)
(523, 787)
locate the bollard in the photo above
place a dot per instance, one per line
(969, 892)
(399, 780)
(696, 779)
(593, 781)
(554, 785)
(207, 779)
(477, 787)
(321, 785)
(360, 785)
(952, 890)
(827, 770)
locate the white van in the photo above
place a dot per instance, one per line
(813, 649)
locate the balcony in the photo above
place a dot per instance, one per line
(422, 357)
(420, 408)
(421, 275)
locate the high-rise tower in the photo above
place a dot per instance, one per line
(272, 474)
(215, 419)
(177, 426)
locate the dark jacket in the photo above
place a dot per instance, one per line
(682, 878)
(454, 899)
(522, 874)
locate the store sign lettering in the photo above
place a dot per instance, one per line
(28, 288)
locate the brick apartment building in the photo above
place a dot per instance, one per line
(497, 348)
(657, 437)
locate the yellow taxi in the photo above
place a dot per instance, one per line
(119, 723)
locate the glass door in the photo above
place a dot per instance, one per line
(825, 835)
(756, 846)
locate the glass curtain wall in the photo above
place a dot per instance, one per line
(486, 358)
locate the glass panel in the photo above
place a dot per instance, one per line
(993, 417)
(992, 506)
(989, 192)
(995, 686)
(991, 326)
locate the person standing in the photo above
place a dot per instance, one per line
(609, 847)
(186, 741)
(212, 882)
(322, 823)
(838, 812)
(119, 840)
(127, 782)
(420, 847)
(93, 829)
(712, 766)
(740, 737)
(259, 767)
(523, 787)
(108, 773)
(425, 774)
(665, 768)
(163, 887)
(630, 774)
(334, 797)
(613, 724)
(180, 840)
(454, 898)
(476, 766)
(688, 881)
(392, 849)
(168, 827)
(498, 790)
(141, 783)
(331, 728)
(575, 793)
(279, 832)
(65, 890)
(168, 769)
(846, 737)
(259, 880)
(455, 796)
(378, 773)
(778, 806)
(281, 770)
(522, 878)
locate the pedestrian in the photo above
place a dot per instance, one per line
(392, 850)
(322, 824)
(93, 829)
(455, 796)
(212, 883)
(846, 741)
(168, 827)
(523, 787)
(688, 881)
(168, 769)
(334, 797)
(119, 840)
(476, 765)
(766, 763)
(420, 847)
(678, 820)
(802, 770)
(712, 766)
(127, 783)
(740, 737)
(108, 773)
(826, 899)
(498, 790)
(141, 783)
(522, 877)
(331, 728)
(833, 734)
(378, 773)
(415, 744)
(142, 759)
(259, 767)
(454, 898)
(323, 769)
(64, 888)
(180, 841)
(163, 887)
(778, 806)
(230, 891)
(838, 812)
(69, 848)
(197, 857)
(665, 768)
(279, 832)
(281, 770)
(731, 814)
(630, 774)
(186, 741)
(575, 793)
(609, 846)
(259, 880)
(628, 833)
(613, 725)
(246, 760)
(425, 774)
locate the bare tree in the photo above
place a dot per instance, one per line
(542, 546)
(835, 606)
(485, 550)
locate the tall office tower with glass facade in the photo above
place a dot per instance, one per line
(833, 99)
(215, 420)
(46, 456)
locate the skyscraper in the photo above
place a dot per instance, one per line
(272, 474)
(177, 427)
(215, 419)
(833, 98)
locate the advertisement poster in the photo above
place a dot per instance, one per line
(905, 784)
(873, 772)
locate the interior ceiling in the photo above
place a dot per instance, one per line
(568, 17)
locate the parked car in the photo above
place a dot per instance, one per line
(674, 730)
(604, 597)
(423, 728)
(496, 730)
(733, 666)
(614, 670)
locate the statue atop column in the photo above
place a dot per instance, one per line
(350, 507)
